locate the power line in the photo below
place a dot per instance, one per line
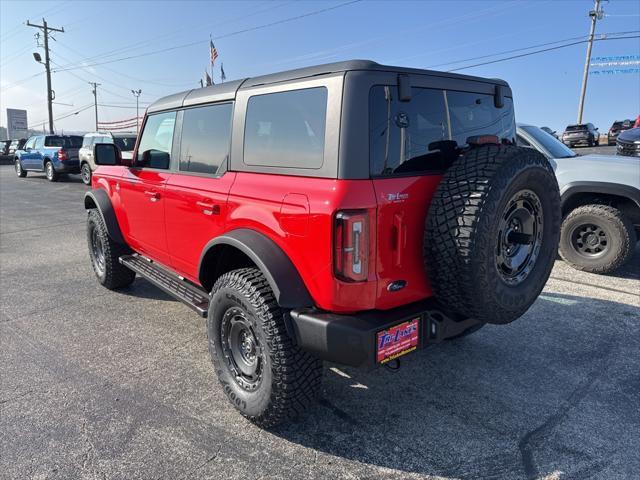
(504, 52)
(539, 51)
(199, 42)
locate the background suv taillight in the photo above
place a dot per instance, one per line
(351, 245)
(62, 155)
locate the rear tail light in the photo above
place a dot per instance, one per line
(351, 245)
(62, 155)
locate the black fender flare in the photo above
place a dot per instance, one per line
(618, 189)
(282, 275)
(99, 199)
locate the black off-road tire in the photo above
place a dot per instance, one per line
(19, 170)
(618, 233)
(85, 173)
(463, 230)
(50, 171)
(110, 272)
(290, 378)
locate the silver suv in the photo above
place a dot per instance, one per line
(125, 142)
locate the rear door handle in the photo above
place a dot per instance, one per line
(153, 195)
(209, 208)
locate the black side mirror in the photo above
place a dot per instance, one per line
(106, 154)
(155, 159)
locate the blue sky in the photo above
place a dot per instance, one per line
(423, 34)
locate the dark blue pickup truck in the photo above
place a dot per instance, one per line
(51, 154)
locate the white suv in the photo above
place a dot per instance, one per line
(125, 142)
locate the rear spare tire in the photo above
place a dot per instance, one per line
(492, 232)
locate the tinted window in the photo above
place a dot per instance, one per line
(206, 132)
(65, 142)
(576, 128)
(157, 140)
(428, 132)
(556, 148)
(407, 137)
(286, 129)
(522, 142)
(473, 114)
(126, 144)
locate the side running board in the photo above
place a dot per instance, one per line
(187, 293)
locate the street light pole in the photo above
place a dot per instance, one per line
(136, 93)
(595, 14)
(50, 95)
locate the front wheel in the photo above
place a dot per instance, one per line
(50, 172)
(597, 239)
(263, 373)
(19, 170)
(85, 173)
(105, 252)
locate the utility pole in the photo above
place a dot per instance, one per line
(95, 99)
(596, 14)
(50, 95)
(136, 93)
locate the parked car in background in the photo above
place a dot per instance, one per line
(16, 145)
(549, 131)
(4, 147)
(52, 154)
(628, 143)
(581, 134)
(125, 142)
(600, 203)
(617, 127)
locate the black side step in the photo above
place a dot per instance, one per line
(184, 291)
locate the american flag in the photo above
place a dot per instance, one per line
(213, 52)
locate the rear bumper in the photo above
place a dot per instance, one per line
(68, 166)
(352, 339)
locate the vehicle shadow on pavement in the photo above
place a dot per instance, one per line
(553, 392)
(141, 288)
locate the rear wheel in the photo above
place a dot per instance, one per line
(50, 172)
(597, 239)
(264, 375)
(492, 232)
(85, 173)
(105, 252)
(19, 171)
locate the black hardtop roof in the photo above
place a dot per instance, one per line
(228, 90)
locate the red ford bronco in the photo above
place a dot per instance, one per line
(350, 212)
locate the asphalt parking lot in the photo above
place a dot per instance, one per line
(104, 385)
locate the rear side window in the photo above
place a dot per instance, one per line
(428, 132)
(65, 142)
(156, 142)
(87, 141)
(39, 142)
(126, 144)
(206, 133)
(286, 129)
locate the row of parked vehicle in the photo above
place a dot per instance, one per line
(57, 155)
(586, 134)
(350, 212)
